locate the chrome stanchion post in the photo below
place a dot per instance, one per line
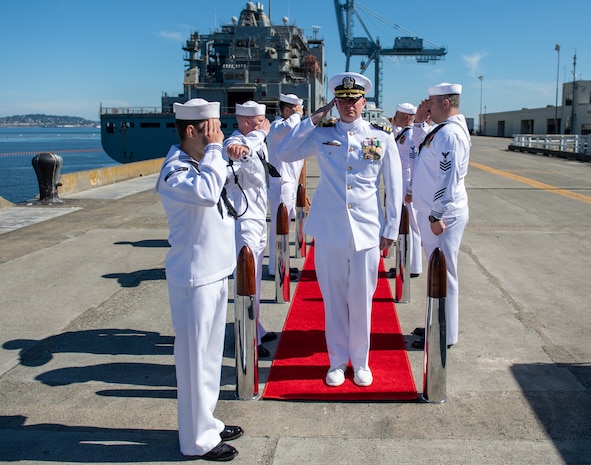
(435, 352)
(403, 258)
(385, 252)
(300, 237)
(245, 328)
(282, 281)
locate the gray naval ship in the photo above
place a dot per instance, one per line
(248, 59)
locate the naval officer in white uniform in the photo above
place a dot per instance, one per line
(247, 188)
(403, 123)
(438, 188)
(346, 217)
(200, 258)
(283, 189)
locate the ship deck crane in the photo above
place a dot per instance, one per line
(410, 45)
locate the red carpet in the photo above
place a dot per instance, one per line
(301, 360)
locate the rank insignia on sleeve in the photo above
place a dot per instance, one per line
(372, 149)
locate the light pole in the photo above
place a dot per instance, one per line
(480, 115)
(574, 102)
(556, 128)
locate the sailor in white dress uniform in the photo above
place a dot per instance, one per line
(200, 259)
(283, 189)
(438, 188)
(403, 120)
(247, 189)
(346, 217)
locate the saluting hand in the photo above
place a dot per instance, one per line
(320, 114)
(422, 112)
(212, 132)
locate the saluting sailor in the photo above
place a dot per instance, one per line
(403, 121)
(438, 189)
(283, 189)
(201, 256)
(346, 217)
(247, 188)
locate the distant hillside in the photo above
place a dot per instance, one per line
(46, 121)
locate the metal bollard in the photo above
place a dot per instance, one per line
(403, 259)
(435, 352)
(300, 237)
(245, 328)
(47, 167)
(282, 279)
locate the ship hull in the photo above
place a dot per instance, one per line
(249, 59)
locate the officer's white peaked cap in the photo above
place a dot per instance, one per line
(349, 85)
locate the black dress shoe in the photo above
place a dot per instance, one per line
(415, 275)
(229, 433)
(263, 352)
(270, 336)
(419, 344)
(221, 453)
(419, 332)
(293, 270)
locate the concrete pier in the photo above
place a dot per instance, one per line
(86, 365)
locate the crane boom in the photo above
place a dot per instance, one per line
(409, 46)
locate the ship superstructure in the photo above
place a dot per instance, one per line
(248, 59)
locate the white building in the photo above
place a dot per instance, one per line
(544, 120)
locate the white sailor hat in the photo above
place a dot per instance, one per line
(292, 99)
(407, 108)
(196, 109)
(445, 88)
(250, 108)
(349, 85)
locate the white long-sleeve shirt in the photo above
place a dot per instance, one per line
(201, 233)
(352, 157)
(249, 195)
(438, 187)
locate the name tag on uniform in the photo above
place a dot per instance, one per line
(372, 149)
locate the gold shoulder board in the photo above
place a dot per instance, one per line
(383, 127)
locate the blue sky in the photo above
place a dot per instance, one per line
(67, 57)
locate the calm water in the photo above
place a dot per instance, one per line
(80, 149)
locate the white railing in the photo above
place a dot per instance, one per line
(573, 143)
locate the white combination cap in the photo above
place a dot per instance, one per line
(196, 109)
(250, 108)
(445, 88)
(293, 99)
(349, 85)
(407, 108)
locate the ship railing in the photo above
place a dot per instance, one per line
(130, 110)
(567, 146)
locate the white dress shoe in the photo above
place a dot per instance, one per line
(363, 377)
(336, 376)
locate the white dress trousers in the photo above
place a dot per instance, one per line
(449, 243)
(199, 320)
(347, 280)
